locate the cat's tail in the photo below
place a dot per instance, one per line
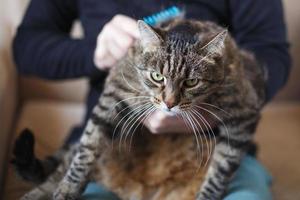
(27, 165)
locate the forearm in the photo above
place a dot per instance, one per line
(43, 46)
(277, 63)
(52, 55)
(261, 29)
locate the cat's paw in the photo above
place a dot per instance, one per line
(65, 191)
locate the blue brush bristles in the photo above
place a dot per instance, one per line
(163, 16)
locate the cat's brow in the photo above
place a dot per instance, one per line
(204, 61)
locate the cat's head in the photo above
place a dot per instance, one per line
(181, 64)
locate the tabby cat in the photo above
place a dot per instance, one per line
(185, 68)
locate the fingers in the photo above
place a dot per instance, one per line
(113, 42)
(161, 122)
(118, 42)
(155, 121)
(126, 24)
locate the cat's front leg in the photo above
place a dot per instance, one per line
(91, 145)
(231, 146)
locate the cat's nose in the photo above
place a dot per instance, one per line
(170, 97)
(170, 104)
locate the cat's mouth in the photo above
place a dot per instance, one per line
(161, 105)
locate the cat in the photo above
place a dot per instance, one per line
(185, 68)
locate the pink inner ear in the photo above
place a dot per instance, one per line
(150, 39)
(216, 45)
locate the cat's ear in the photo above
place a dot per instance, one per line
(216, 44)
(150, 40)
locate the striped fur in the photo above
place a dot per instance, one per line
(229, 87)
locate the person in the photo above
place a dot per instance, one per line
(43, 47)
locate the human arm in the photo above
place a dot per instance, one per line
(259, 27)
(113, 42)
(43, 46)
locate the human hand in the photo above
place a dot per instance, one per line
(160, 122)
(113, 42)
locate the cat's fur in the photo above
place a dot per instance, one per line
(163, 167)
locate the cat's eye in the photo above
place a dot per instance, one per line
(157, 77)
(191, 82)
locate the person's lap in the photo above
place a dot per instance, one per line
(251, 182)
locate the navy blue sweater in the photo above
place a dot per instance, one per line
(43, 46)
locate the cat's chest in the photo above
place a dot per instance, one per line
(154, 161)
(149, 149)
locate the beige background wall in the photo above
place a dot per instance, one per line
(292, 90)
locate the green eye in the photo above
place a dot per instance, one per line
(157, 76)
(191, 82)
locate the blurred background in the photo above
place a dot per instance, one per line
(51, 109)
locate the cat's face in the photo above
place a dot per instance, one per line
(177, 72)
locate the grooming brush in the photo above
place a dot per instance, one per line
(164, 15)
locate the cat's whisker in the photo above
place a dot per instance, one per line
(129, 120)
(200, 136)
(130, 98)
(220, 120)
(196, 136)
(205, 138)
(131, 64)
(121, 120)
(128, 107)
(214, 106)
(130, 112)
(126, 124)
(204, 133)
(135, 120)
(183, 115)
(129, 83)
(206, 127)
(133, 123)
(210, 131)
(145, 116)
